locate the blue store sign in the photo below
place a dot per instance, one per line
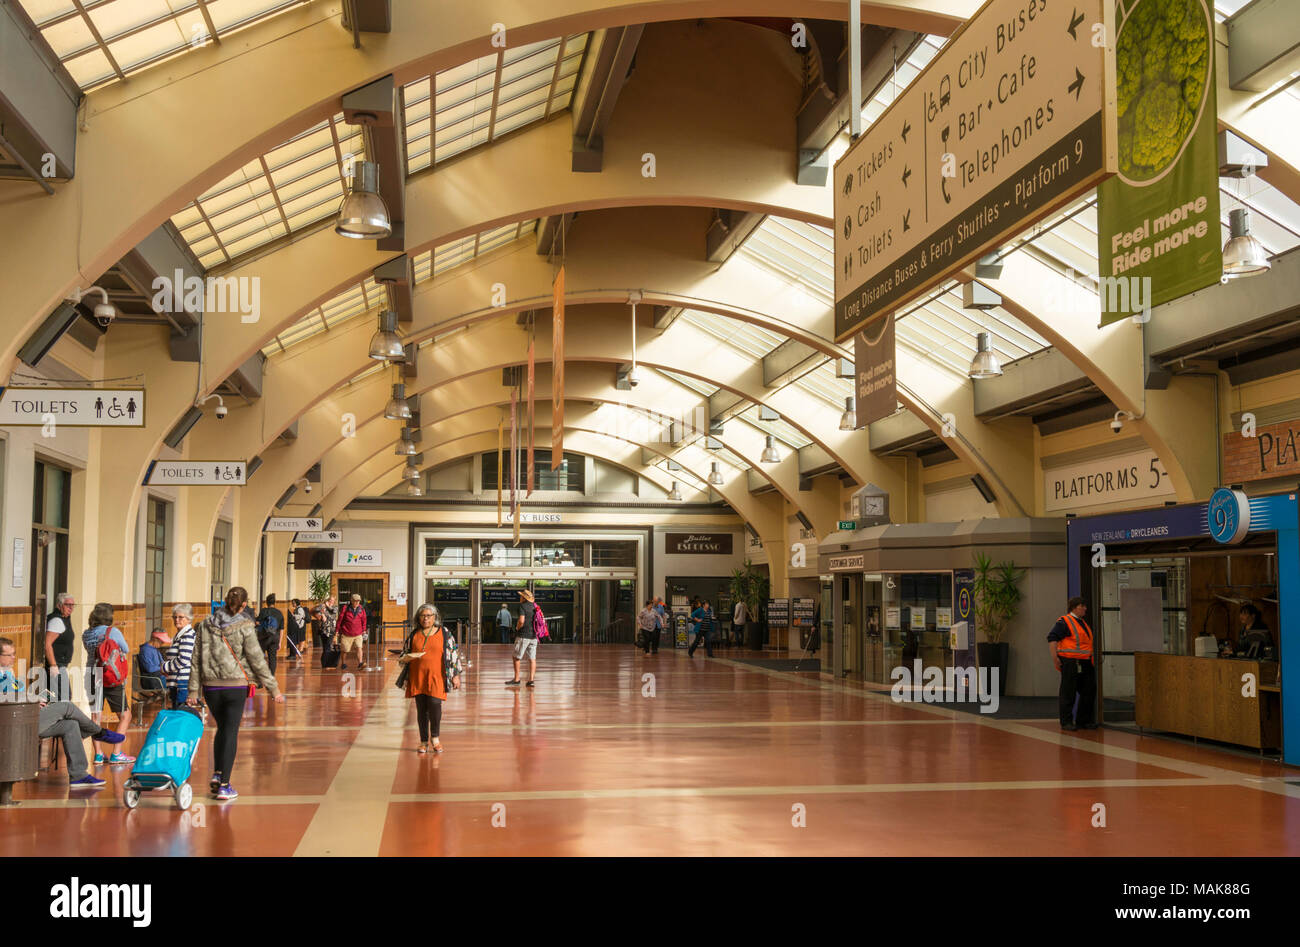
(1228, 515)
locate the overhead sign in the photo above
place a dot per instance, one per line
(847, 563)
(875, 390)
(847, 525)
(293, 524)
(540, 517)
(327, 537)
(357, 558)
(197, 473)
(1228, 513)
(1273, 451)
(1133, 477)
(1158, 231)
(697, 544)
(1006, 124)
(72, 407)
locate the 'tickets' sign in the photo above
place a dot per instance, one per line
(698, 544)
(875, 390)
(1272, 452)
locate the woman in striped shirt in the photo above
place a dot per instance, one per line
(176, 664)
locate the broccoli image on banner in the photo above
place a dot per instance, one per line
(1162, 63)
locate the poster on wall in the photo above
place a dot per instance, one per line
(1158, 229)
(893, 618)
(918, 618)
(963, 612)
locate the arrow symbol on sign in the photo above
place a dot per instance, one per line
(906, 225)
(907, 173)
(1075, 20)
(1077, 85)
(906, 128)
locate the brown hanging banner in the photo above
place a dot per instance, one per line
(557, 373)
(514, 448)
(532, 423)
(501, 437)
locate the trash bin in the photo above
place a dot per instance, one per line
(20, 746)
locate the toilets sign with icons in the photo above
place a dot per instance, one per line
(72, 407)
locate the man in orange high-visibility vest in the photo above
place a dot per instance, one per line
(1072, 652)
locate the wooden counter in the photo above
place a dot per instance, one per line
(1201, 697)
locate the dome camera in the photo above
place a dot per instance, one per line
(222, 411)
(633, 378)
(307, 489)
(1116, 425)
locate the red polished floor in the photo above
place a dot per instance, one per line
(704, 757)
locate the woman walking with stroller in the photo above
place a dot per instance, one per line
(226, 658)
(431, 661)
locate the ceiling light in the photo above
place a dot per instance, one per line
(397, 409)
(1243, 255)
(770, 454)
(715, 476)
(849, 419)
(675, 493)
(413, 490)
(985, 364)
(386, 345)
(406, 446)
(411, 473)
(363, 214)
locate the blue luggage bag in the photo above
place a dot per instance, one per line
(164, 760)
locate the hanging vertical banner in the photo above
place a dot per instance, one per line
(1158, 218)
(557, 374)
(501, 437)
(532, 423)
(875, 391)
(514, 459)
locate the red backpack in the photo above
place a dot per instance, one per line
(117, 669)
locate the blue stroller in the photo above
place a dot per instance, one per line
(164, 760)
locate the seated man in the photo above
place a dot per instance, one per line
(151, 662)
(61, 719)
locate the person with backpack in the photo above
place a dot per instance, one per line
(525, 638)
(227, 657)
(705, 624)
(427, 676)
(350, 633)
(270, 623)
(108, 653)
(647, 623)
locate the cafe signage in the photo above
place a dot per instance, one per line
(698, 544)
(1271, 452)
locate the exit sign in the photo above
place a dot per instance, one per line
(848, 524)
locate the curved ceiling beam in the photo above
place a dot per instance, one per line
(59, 242)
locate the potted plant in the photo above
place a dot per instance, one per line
(319, 586)
(752, 587)
(997, 602)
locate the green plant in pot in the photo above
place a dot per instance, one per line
(997, 602)
(319, 586)
(751, 586)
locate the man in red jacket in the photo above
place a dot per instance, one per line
(350, 631)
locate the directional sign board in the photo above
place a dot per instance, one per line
(197, 473)
(293, 524)
(1011, 119)
(72, 407)
(327, 536)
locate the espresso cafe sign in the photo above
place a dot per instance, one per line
(698, 544)
(1274, 451)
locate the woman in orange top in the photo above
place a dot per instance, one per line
(427, 679)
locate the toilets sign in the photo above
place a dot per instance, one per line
(72, 407)
(196, 473)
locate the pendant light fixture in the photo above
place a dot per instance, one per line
(849, 419)
(715, 476)
(1243, 255)
(406, 446)
(386, 344)
(675, 493)
(413, 490)
(411, 473)
(397, 409)
(770, 454)
(363, 214)
(986, 363)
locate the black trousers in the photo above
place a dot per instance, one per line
(651, 639)
(428, 715)
(226, 705)
(1078, 678)
(707, 638)
(270, 659)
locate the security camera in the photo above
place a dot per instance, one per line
(307, 489)
(105, 311)
(1117, 422)
(222, 411)
(633, 379)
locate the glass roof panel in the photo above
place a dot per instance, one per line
(780, 429)
(742, 336)
(135, 34)
(695, 384)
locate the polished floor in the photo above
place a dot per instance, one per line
(706, 757)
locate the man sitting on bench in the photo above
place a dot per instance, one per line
(59, 718)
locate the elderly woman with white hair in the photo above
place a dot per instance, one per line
(177, 660)
(431, 660)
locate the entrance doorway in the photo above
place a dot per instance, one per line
(372, 600)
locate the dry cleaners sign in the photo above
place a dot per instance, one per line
(1136, 478)
(358, 558)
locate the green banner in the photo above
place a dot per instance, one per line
(1158, 230)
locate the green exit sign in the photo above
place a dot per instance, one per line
(848, 524)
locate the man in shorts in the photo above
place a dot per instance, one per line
(350, 633)
(525, 638)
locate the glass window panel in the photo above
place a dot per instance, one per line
(447, 553)
(90, 70)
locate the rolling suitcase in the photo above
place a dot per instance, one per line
(165, 759)
(329, 654)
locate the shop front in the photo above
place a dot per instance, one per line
(1195, 611)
